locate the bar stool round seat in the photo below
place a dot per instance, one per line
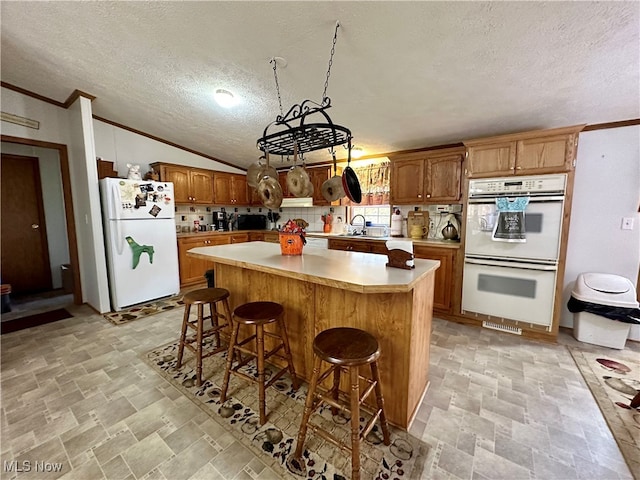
(200, 298)
(347, 349)
(346, 346)
(257, 315)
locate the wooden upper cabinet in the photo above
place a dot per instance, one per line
(494, 160)
(547, 154)
(528, 153)
(430, 176)
(222, 188)
(282, 180)
(443, 178)
(190, 185)
(230, 189)
(407, 181)
(201, 186)
(318, 176)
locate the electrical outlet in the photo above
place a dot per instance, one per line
(627, 223)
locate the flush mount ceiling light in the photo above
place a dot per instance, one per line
(224, 98)
(295, 135)
(357, 152)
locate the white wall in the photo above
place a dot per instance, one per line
(122, 146)
(53, 201)
(606, 189)
(53, 120)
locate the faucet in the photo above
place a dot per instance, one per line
(364, 222)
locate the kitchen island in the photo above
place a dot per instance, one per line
(323, 289)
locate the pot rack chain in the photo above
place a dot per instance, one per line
(275, 76)
(333, 50)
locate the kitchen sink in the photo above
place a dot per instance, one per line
(359, 235)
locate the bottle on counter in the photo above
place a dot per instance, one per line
(196, 225)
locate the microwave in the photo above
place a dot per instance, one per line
(252, 222)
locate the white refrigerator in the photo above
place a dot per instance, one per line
(140, 239)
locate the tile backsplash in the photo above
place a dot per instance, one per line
(377, 214)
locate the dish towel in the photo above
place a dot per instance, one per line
(509, 226)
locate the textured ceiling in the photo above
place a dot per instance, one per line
(405, 75)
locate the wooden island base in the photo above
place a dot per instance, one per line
(400, 320)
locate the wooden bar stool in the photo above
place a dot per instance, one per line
(258, 314)
(344, 349)
(199, 298)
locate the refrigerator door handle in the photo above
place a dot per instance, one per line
(116, 203)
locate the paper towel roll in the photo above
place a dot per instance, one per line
(405, 245)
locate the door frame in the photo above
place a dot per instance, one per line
(68, 205)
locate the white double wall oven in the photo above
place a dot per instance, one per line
(513, 278)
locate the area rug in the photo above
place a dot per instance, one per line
(275, 441)
(34, 320)
(144, 310)
(614, 379)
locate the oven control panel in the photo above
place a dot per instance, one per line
(536, 184)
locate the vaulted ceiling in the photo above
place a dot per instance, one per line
(405, 74)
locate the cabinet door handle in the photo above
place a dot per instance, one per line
(428, 196)
(518, 167)
(419, 195)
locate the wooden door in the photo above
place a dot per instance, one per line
(407, 181)
(179, 176)
(491, 160)
(544, 155)
(443, 179)
(25, 253)
(201, 187)
(222, 188)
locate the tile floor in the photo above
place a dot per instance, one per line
(79, 403)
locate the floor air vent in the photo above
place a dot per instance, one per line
(502, 327)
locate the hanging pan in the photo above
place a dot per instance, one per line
(350, 181)
(298, 182)
(332, 188)
(269, 189)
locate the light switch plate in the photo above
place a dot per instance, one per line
(627, 223)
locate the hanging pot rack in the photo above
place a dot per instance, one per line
(294, 131)
(307, 136)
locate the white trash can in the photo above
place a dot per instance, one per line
(606, 290)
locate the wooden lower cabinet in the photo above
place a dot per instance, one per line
(192, 270)
(363, 246)
(444, 275)
(272, 237)
(239, 237)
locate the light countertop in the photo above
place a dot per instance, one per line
(354, 271)
(427, 242)
(431, 241)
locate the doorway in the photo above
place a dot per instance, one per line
(42, 297)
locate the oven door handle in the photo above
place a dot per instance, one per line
(505, 264)
(533, 199)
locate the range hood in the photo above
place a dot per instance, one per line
(297, 202)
